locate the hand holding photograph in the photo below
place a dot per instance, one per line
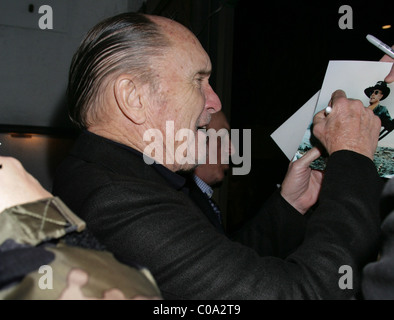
(362, 80)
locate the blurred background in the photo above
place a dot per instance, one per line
(269, 58)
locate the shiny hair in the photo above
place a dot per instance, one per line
(124, 43)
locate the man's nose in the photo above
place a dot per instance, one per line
(212, 101)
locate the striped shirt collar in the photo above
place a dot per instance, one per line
(203, 186)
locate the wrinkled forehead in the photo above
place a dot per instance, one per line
(173, 29)
(182, 39)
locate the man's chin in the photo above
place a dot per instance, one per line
(187, 167)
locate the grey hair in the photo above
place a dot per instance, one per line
(123, 43)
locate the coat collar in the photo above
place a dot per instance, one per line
(126, 161)
(122, 159)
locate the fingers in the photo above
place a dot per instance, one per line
(386, 58)
(338, 94)
(335, 98)
(350, 126)
(310, 156)
(390, 76)
(320, 116)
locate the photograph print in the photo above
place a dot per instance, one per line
(362, 80)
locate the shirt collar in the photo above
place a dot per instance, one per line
(203, 186)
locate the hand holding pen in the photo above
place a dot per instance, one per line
(388, 57)
(350, 126)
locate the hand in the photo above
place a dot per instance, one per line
(17, 186)
(390, 76)
(301, 185)
(350, 126)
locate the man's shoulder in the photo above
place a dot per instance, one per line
(96, 166)
(94, 149)
(98, 159)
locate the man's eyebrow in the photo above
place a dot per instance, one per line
(204, 72)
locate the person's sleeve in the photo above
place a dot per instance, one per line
(276, 230)
(344, 231)
(34, 222)
(378, 276)
(46, 254)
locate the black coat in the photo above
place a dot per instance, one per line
(141, 215)
(378, 276)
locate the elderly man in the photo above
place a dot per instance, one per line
(135, 76)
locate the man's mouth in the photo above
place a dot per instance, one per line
(204, 122)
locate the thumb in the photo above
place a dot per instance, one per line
(310, 156)
(390, 76)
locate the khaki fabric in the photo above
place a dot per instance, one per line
(72, 272)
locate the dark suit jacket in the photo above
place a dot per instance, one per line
(378, 276)
(141, 215)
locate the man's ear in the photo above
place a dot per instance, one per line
(128, 99)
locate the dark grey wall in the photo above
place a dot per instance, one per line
(34, 63)
(34, 67)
